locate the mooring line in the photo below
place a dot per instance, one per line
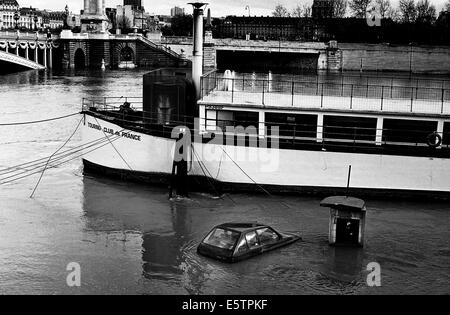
(38, 121)
(123, 159)
(245, 173)
(48, 161)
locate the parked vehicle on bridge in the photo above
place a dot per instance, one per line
(233, 242)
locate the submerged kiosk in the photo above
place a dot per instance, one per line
(347, 220)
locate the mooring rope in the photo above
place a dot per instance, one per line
(38, 121)
(56, 152)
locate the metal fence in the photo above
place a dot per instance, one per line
(248, 89)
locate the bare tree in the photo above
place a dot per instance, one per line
(384, 8)
(307, 10)
(280, 11)
(408, 12)
(297, 12)
(426, 13)
(340, 8)
(359, 7)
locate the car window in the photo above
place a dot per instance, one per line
(252, 239)
(242, 246)
(267, 236)
(221, 238)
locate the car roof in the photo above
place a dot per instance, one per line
(241, 227)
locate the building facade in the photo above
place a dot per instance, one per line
(8, 8)
(176, 11)
(136, 4)
(53, 19)
(30, 19)
(131, 16)
(12, 16)
(265, 28)
(323, 9)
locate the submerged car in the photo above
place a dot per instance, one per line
(233, 242)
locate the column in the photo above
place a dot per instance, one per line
(36, 56)
(197, 62)
(45, 57)
(51, 58)
(99, 7)
(202, 118)
(262, 124)
(26, 53)
(440, 128)
(320, 128)
(379, 134)
(86, 6)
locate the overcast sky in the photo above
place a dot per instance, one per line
(218, 7)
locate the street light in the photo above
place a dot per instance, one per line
(247, 8)
(35, 19)
(16, 19)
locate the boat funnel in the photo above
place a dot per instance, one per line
(197, 62)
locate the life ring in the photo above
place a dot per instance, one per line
(434, 140)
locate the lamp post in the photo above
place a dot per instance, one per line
(16, 19)
(247, 8)
(35, 19)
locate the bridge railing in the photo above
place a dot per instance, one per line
(149, 43)
(248, 90)
(25, 35)
(160, 47)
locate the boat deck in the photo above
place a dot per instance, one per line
(310, 96)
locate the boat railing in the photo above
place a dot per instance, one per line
(247, 90)
(286, 134)
(111, 103)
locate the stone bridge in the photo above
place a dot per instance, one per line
(28, 50)
(87, 50)
(259, 54)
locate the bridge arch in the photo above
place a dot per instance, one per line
(127, 54)
(124, 51)
(79, 59)
(8, 59)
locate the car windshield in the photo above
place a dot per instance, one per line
(221, 238)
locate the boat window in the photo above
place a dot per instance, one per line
(252, 239)
(221, 238)
(267, 236)
(242, 246)
(407, 131)
(290, 125)
(224, 119)
(349, 128)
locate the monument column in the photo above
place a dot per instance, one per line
(99, 7)
(94, 20)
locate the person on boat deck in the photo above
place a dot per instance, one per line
(125, 108)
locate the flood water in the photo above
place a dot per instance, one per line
(130, 239)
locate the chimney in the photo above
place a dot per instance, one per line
(197, 63)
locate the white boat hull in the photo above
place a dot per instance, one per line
(288, 170)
